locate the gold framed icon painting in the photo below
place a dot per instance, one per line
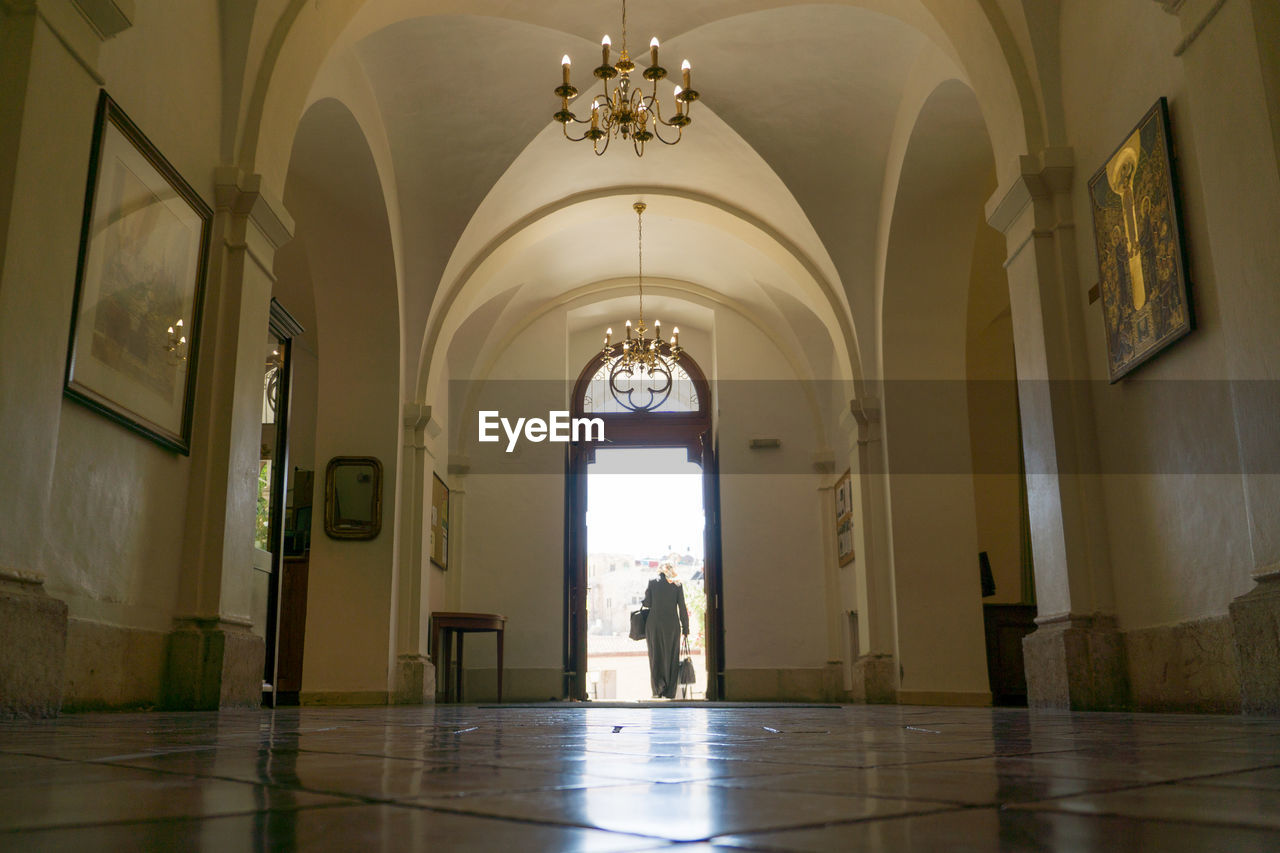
(135, 327)
(439, 522)
(844, 518)
(1142, 269)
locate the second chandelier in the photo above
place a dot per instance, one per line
(626, 112)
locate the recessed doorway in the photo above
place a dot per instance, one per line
(624, 552)
(648, 494)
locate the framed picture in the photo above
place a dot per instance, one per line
(439, 522)
(1142, 269)
(844, 518)
(353, 497)
(135, 325)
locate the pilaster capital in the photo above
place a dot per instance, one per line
(417, 418)
(242, 195)
(459, 463)
(1039, 178)
(108, 18)
(863, 418)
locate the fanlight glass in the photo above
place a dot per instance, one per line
(616, 390)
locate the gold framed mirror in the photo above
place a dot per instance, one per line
(353, 497)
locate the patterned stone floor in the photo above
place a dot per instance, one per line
(640, 778)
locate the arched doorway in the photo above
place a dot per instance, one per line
(664, 410)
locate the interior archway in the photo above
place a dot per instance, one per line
(941, 270)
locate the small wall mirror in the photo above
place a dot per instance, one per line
(353, 497)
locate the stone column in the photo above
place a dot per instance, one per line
(1075, 657)
(415, 674)
(1233, 74)
(874, 673)
(214, 658)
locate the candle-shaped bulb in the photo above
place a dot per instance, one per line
(657, 328)
(171, 330)
(673, 340)
(565, 63)
(179, 324)
(183, 340)
(595, 114)
(604, 50)
(679, 103)
(628, 330)
(675, 335)
(685, 68)
(653, 51)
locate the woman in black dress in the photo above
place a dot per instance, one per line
(668, 620)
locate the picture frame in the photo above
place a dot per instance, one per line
(1142, 260)
(844, 518)
(439, 522)
(353, 497)
(140, 279)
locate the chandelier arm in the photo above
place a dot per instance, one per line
(595, 144)
(658, 134)
(573, 138)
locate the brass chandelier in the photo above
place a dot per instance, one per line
(637, 354)
(627, 112)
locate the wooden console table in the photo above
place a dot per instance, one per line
(444, 624)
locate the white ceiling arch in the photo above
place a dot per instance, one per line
(291, 39)
(545, 255)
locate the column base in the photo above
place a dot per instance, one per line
(873, 680)
(33, 648)
(1076, 663)
(1255, 623)
(415, 681)
(213, 663)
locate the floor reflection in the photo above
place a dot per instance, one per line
(561, 777)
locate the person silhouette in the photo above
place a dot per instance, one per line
(668, 620)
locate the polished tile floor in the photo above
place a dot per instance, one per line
(572, 777)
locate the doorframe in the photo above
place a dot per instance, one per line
(285, 328)
(693, 431)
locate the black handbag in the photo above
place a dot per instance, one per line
(638, 620)
(687, 675)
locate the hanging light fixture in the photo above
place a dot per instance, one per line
(637, 354)
(627, 112)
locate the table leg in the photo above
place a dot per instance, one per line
(461, 634)
(445, 658)
(499, 633)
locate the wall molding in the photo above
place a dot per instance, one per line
(1199, 28)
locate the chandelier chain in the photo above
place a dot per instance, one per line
(640, 260)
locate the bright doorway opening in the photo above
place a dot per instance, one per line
(644, 507)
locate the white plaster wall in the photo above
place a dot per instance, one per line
(96, 508)
(771, 509)
(352, 271)
(513, 544)
(1179, 544)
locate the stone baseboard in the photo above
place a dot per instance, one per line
(874, 680)
(33, 647)
(331, 698)
(1255, 623)
(1186, 667)
(951, 698)
(415, 680)
(110, 667)
(817, 684)
(213, 663)
(1076, 663)
(518, 685)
